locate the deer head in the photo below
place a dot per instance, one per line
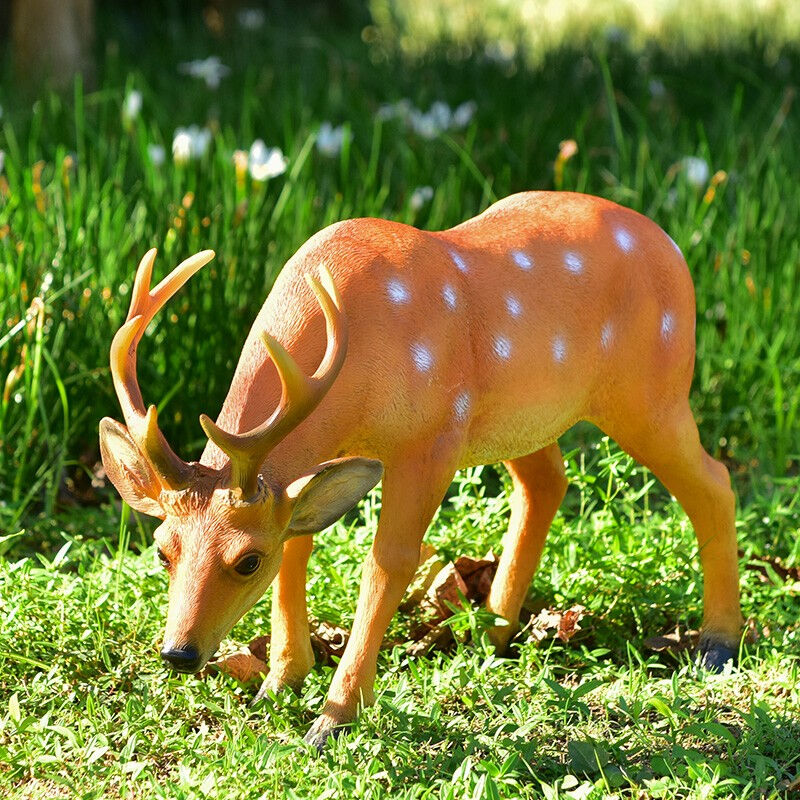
(222, 535)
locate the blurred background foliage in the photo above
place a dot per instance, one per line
(684, 112)
(533, 28)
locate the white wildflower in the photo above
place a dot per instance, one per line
(697, 171)
(157, 154)
(463, 115)
(429, 124)
(210, 69)
(420, 196)
(441, 115)
(657, 88)
(399, 110)
(181, 147)
(189, 143)
(131, 106)
(330, 139)
(251, 19)
(265, 162)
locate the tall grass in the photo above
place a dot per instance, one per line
(81, 200)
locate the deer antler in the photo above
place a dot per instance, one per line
(143, 423)
(300, 395)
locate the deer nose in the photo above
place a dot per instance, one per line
(182, 659)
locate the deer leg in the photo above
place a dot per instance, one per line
(539, 487)
(412, 491)
(672, 450)
(290, 655)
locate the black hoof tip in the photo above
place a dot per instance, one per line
(714, 656)
(321, 733)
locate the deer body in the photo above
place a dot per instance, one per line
(482, 332)
(479, 344)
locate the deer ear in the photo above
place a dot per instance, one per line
(128, 469)
(317, 500)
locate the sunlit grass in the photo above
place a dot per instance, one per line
(500, 30)
(90, 711)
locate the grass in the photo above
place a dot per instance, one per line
(86, 709)
(92, 714)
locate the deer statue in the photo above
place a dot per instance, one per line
(428, 352)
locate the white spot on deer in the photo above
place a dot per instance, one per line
(606, 335)
(458, 260)
(502, 347)
(461, 406)
(667, 325)
(397, 291)
(675, 245)
(624, 239)
(522, 260)
(573, 262)
(421, 356)
(513, 305)
(559, 348)
(449, 295)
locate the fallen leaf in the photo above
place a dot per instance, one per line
(258, 647)
(241, 665)
(770, 568)
(445, 589)
(568, 626)
(543, 622)
(477, 574)
(328, 641)
(563, 624)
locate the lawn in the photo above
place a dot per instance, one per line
(701, 138)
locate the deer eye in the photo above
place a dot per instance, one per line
(162, 557)
(248, 565)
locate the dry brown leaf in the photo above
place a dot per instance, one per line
(568, 626)
(543, 622)
(328, 641)
(433, 607)
(240, 664)
(477, 574)
(562, 624)
(259, 647)
(760, 563)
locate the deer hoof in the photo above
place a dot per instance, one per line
(323, 731)
(276, 685)
(713, 656)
